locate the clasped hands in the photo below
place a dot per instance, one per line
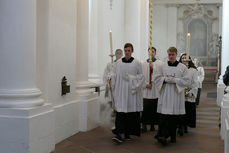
(126, 77)
(170, 79)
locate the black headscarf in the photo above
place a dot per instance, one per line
(190, 63)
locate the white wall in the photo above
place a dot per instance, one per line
(144, 30)
(128, 21)
(132, 13)
(225, 37)
(56, 48)
(61, 50)
(42, 43)
(160, 30)
(171, 26)
(56, 57)
(109, 20)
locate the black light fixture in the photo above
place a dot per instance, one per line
(64, 86)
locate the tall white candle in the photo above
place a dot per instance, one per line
(188, 44)
(111, 46)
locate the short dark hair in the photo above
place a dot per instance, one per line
(118, 50)
(129, 45)
(152, 48)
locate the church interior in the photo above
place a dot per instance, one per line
(52, 58)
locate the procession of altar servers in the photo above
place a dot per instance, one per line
(153, 93)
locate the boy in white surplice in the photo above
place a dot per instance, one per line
(108, 72)
(171, 80)
(127, 80)
(150, 92)
(108, 113)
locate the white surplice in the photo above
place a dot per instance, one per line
(107, 72)
(201, 74)
(150, 93)
(106, 77)
(193, 87)
(127, 80)
(171, 82)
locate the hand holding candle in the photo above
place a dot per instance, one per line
(188, 44)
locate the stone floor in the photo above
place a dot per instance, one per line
(203, 139)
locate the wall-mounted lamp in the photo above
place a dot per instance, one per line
(64, 86)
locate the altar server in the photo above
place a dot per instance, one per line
(150, 92)
(201, 74)
(171, 80)
(127, 80)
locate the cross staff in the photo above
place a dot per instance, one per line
(150, 66)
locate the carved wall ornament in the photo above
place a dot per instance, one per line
(197, 10)
(194, 15)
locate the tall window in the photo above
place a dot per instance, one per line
(198, 30)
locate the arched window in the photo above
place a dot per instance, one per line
(198, 44)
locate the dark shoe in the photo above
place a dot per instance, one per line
(162, 141)
(173, 141)
(144, 128)
(156, 136)
(114, 131)
(152, 128)
(117, 139)
(180, 131)
(185, 129)
(127, 138)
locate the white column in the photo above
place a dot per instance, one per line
(82, 40)
(89, 105)
(225, 38)
(225, 63)
(171, 25)
(83, 43)
(136, 26)
(144, 27)
(133, 25)
(27, 126)
(17, 54)
(224, 31)
(93, 42)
